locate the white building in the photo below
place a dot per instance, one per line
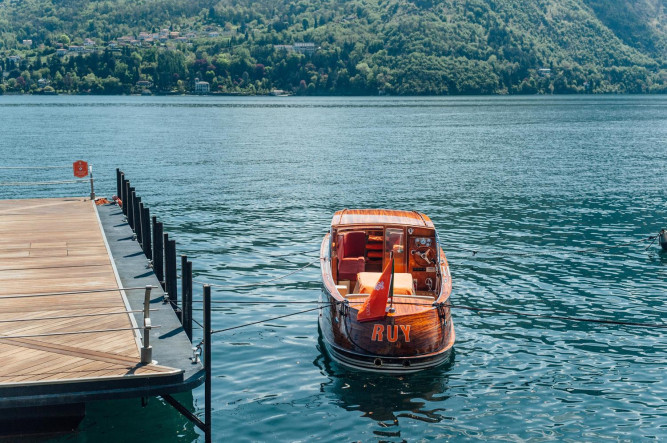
(202, 87)
(304, 48)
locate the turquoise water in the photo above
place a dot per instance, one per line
(247, 186)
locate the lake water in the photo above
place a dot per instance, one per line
(247, 187)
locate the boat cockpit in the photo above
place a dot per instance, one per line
(360, 253)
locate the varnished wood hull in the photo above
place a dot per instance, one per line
(419, 333)
(359, 345)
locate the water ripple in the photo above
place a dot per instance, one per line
(247, 187)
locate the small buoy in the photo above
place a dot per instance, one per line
(662, 238)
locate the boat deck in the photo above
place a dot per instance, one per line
(404, 305)
(66, 331)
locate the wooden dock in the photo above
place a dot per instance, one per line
(52, 246)
(72, 289)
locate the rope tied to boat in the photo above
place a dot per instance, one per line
(558, 317)
(215, 331)
(261, 282)
(650, 238)
(343, 307)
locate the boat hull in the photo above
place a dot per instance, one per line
(401, 344)
(384, 364)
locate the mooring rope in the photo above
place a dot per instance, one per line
(469, 308)
(175, 306)
(269, 319)
(475, 252)
(560, 317)
(218, 285)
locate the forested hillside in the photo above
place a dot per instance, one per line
(358, 47)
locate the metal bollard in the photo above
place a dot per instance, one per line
(92, 186)
(147, 349)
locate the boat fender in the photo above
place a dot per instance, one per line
(663, 239)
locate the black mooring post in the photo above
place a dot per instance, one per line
(126, 198)
(184, 291)
(137, 220)
(118, 182)
(121, 196)
(207, 361)
(138, 208)
(188, 307)
(146, 232)
(130, 209)
(158, 251)
(170, 271)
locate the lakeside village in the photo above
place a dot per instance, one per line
(209, 61)
(15, 76)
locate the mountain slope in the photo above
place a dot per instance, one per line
(366, 46)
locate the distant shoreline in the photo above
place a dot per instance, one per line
(599, 94)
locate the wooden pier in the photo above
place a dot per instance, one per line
(57, 246)
(72, 290)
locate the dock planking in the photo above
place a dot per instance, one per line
(58, 245)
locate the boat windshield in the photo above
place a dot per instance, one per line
(394, 241)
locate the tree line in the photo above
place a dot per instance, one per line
(396, 47)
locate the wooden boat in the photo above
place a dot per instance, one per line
(417, 331)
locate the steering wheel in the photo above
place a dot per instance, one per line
(423, 255)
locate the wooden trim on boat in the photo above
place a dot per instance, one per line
(382, 217)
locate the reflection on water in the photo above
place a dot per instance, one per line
(386, 398)
(391, 401)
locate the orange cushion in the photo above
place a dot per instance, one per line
(374, 246)
(366, 281)
(374, 254)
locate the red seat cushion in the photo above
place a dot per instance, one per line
(351, 248)
(354, 244)
(348, 268)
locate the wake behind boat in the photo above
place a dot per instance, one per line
(387, 281)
